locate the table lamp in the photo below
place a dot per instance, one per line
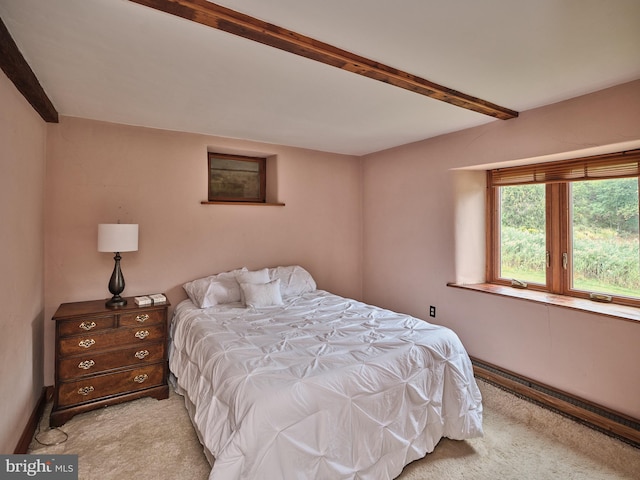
(117, 238)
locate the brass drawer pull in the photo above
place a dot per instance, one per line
(141, 354)
(87, 325)
(143, 317)
(142, 334)
(86, 343)
(140, 378)
(86, 365)
(85, 390)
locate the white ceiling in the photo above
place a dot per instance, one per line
(121, 62)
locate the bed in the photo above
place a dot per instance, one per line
(285, 381)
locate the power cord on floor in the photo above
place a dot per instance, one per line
(41, 442)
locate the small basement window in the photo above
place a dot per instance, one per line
(236, 178)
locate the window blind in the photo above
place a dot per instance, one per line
(612, 165)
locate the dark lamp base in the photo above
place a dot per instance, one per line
(115, 302)
(116, 285)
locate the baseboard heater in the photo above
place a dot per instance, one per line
(615, 424)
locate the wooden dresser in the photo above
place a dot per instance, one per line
(106, 356)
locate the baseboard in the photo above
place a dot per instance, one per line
(605, 420)
(30, 429)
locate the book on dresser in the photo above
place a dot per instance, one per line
(106, 356)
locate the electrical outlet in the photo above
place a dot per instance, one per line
(432, 311)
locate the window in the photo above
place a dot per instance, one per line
(235, 178)
(567, 227)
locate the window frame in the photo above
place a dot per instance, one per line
(556, 176)
(261, 180)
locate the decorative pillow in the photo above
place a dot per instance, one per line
(252, 276)
(262, 294)
(214, 289)
(294, 280)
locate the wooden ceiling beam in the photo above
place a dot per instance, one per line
(231, 21)
(19, 72)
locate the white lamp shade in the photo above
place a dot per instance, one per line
(117, 237)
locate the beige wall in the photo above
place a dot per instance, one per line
(22, 169)
(421, 217)
(101, 173)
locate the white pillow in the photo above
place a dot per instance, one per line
(294, 280)
(214, 289)
(252, 276)
(262, 294)
(222, 290)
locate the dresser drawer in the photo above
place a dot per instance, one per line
(121, 337)
(90, 363)
(136, 319)
(85, 325)
(92, 388)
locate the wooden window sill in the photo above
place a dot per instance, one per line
(205, 202)
(613, 310)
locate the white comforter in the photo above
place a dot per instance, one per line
(322, 387)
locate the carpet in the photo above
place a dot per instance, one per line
(155, 440)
